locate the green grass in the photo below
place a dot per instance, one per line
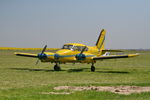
(21, 79)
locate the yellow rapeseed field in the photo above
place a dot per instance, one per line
(13, 48)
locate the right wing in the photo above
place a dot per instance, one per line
(111, 50)
(115, 56)
(26, 54)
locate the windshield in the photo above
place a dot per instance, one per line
(74, 48)
(80, 48)
(67, 47)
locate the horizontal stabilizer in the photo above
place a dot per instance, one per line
(26, 54)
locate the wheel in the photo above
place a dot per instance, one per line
(57, 68)
(92, 68)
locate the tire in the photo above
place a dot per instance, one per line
(92, 69)
(57, 68)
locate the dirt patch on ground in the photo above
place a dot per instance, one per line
(56, 93)
(126, 90)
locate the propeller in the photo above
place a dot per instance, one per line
(83, 50)
(41, 55)
(81, 56)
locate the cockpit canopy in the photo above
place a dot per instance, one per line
(74, 47)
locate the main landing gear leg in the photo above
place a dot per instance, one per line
(57, 67)
(92, 68)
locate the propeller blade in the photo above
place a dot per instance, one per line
(83, 50)
(44, 49)
(37, 62)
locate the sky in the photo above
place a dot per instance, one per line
(35, 23)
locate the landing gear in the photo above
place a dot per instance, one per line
(57, 67)
(92, 68)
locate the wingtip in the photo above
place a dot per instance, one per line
(133, 55)
(15, 53)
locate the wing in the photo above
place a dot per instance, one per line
(26, 54)
(115, 56)
(13, 48)
(111, 50)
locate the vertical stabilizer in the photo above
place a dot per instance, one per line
(101, 40)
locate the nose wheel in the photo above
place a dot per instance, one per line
(92, 68)
(57, 67)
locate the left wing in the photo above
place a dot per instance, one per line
(115, 56)
(26, 54)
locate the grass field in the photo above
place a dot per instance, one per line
(21, 79)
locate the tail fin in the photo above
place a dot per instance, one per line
(101, 40)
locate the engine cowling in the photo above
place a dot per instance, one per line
(42, 56)
(56, 56)
(80, 57)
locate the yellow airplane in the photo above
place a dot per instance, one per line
(77, 53)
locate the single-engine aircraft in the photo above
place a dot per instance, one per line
(77, 53)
